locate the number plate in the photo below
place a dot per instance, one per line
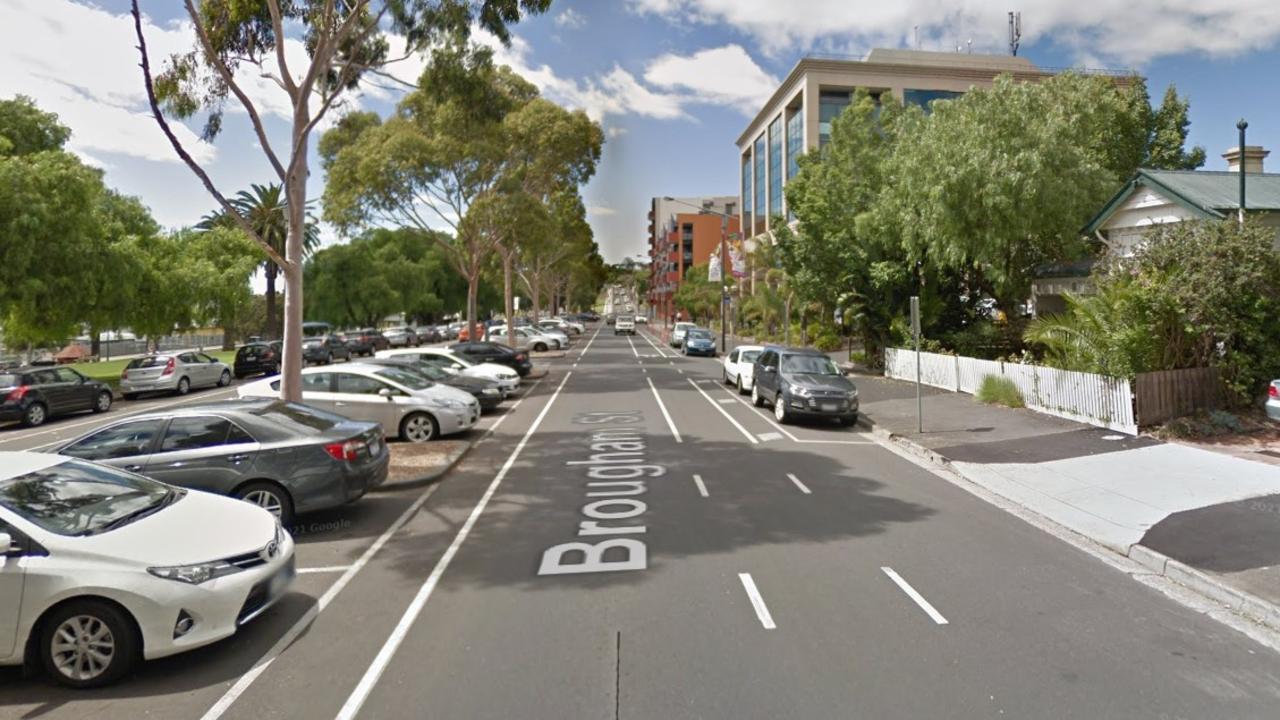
(828, 407)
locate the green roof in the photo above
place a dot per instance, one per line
(1207, 193)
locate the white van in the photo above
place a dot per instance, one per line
(624, 324)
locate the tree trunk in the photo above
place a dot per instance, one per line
(296, 196)
(509, 305)
(535, 290)
(271, 332)
(95, 344)
(473, 287)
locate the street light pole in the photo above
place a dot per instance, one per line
(1241, 126)
(724, 282)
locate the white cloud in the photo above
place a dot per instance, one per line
(720, 75)
(1133, 32)
(570, 19)
(600, 211)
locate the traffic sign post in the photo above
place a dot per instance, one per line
(915, 334)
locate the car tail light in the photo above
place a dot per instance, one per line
(1273, 391)
(269, 354)
(348, 451)
(168, 367)
(16, 394)
(520, 357)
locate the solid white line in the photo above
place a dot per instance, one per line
(911, 593)
(727, 416)
(799, 484)
(649, 340)
(326, 569)
(110, 417)
(588, 345)
(702, 489)
(371, 676)
(757, 602)
(242, 684)
(733, 393)
(670, 423)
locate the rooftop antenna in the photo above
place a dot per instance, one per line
(969, 46)
(1015, 31)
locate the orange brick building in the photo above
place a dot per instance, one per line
(681, 241)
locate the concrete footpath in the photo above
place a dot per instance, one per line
(1206, 520)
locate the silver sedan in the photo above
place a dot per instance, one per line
(177, 373)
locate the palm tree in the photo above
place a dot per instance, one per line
(267, 210)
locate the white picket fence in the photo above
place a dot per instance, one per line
(1084, 397)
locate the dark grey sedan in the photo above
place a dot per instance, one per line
(287, 458)
(486, 392)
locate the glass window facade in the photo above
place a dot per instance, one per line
(924, 98)
(746, 191)
(759, 184)
(830, 104)
(775, 167)
(795, 146)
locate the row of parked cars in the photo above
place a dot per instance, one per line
(167, 530)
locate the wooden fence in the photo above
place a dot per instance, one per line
(1168, 394)
(1084, 397)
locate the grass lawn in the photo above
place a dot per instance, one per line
(109, 371)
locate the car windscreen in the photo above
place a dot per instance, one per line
(313, 342)
(699, 335)
(809, 364)
(407, 378)
(146, 362)
(82, 498)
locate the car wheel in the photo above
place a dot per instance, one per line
(540, 347)
(269, 497)
(88, 643)
(35, 415)
(184, 386)
(328, 359)
(724, 376)
(103, 402)
(129, 396)
(224, 379)
(418, 428)
(741, 390)
(755, 397)
(780, 409)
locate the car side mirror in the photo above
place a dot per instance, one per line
(6, 546)
(387, 393)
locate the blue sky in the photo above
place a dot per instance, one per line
(672, 81)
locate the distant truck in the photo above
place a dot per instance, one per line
(625, 324)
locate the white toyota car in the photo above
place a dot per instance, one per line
(738, 366)
(508, 379)
(101, 568)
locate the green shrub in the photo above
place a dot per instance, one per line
(998, 390)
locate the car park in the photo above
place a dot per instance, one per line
(324, 349)
(406, 405)
(698, 341)
(258, 358)
(492, 352)
(32, 395)
(624, 325)
(738, 366)
(678, 332)
(102, 568)
(400, 336)
(486, 392)
(506, 377)
(286, 458)
(802, 383)
(176, 373)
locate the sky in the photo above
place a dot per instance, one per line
(672, 82)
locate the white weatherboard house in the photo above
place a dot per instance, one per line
(1157, 197)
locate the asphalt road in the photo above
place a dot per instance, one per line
(732, 569)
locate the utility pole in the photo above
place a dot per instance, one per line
(724, 282)
(1242, 126)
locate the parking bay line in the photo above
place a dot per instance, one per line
(702, 489)
(757, 602)
(361, 693)
(323, 569)
(733, 394)
(303, 623)
(917, 597)
(661, 406)
(727, 416)
(803, 488)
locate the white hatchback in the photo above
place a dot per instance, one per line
(101, 568)
(738, 364)
(507, 378)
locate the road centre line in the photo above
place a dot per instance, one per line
(304, 622)
(670, 423)
(757, 602)
(917, 597)
(727, 416)
(702, 489)
(804, 489)
(374, 672)
(588, 345)
(108, 418)
(633, 347)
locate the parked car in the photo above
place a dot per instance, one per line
(257, 358)
(624, 325)
(802, 383)
(404, 404)
(642, 320)
(738, 366)
(325, 349)
(486, 392)
(678, 332)
(103, 568)
(429, 334)
(526, 339)
(177, 373)
(561, 335)
(286, 458)
(32, 395)
(400, 336)
(507, 378)
(1273, 400)
(366, 341)
(570, 325)
(492, 352)
(699, 341)
(561, 325)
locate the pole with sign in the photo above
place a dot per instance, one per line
(915, 334)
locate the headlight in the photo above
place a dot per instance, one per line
(490, 391)
(195, 574)
(801, 391)
(445, 403)
(853, 393)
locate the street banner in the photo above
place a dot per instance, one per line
(738, 261)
